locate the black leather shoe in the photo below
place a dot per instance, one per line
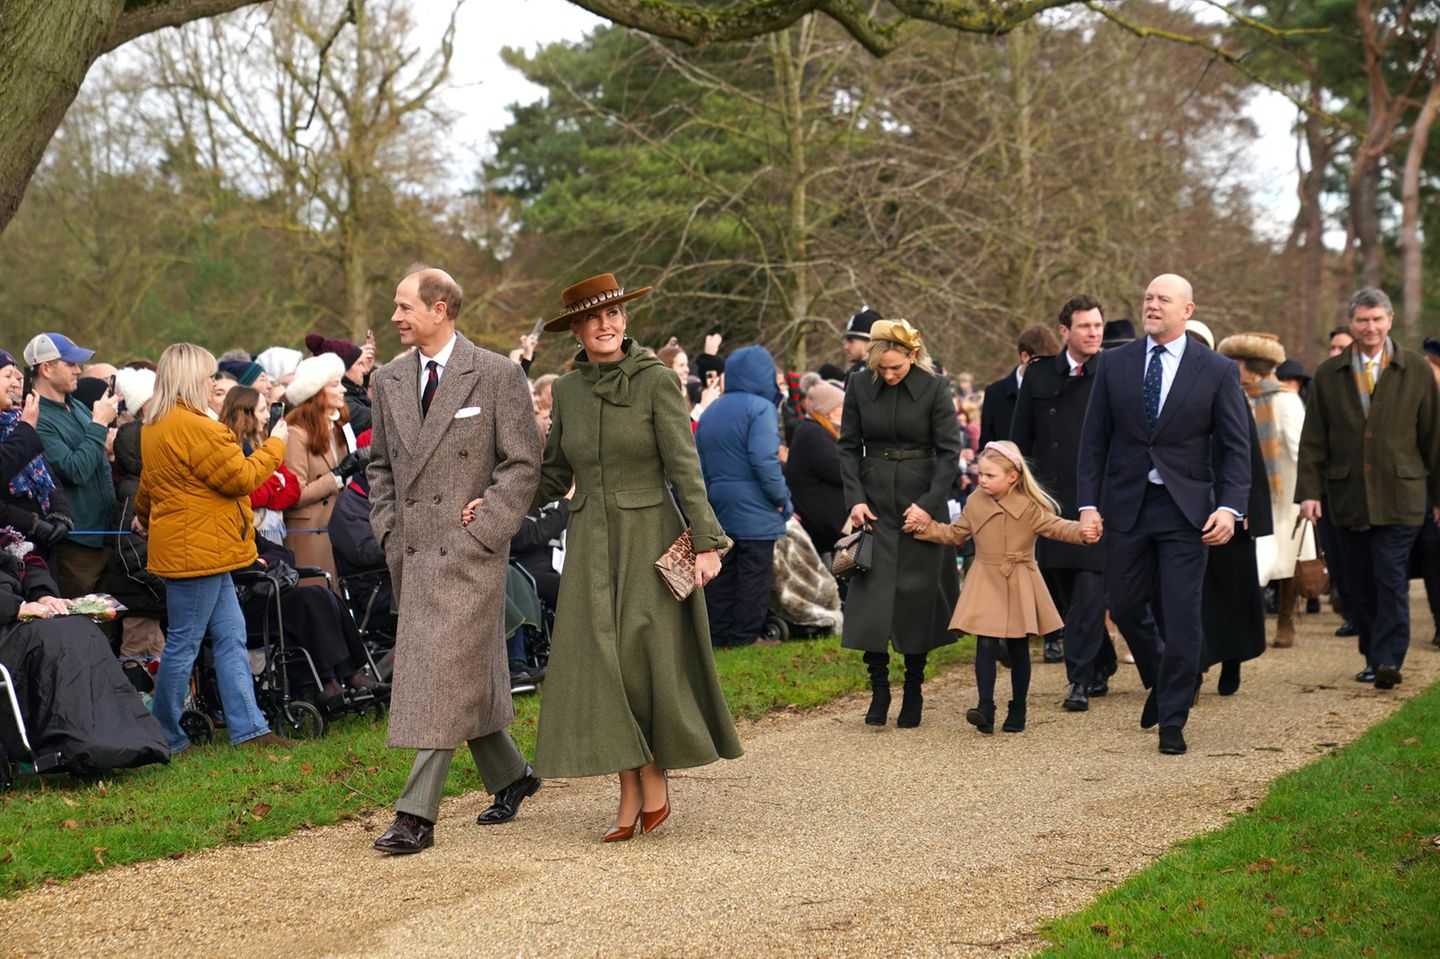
(1172, 740)
(1366, 675)
(1229, 677)
(1348, 628)
(1098, 688)
(1054, 652)
(508, 800)
(1435, 640)
(1076, 701)
(1387, 677)
(406, 835)
(1150, 715)
(1014, 718)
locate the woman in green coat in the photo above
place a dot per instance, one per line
(631, 686)
(899, 451)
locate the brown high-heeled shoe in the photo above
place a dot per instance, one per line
(651, 819)
(622, 833)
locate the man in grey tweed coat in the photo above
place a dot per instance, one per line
(453, 424)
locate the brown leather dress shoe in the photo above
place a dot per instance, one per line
(407, 834)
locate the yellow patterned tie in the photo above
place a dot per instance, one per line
(1370, 375)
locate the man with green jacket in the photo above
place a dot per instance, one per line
(77, 440)
(1371, 441)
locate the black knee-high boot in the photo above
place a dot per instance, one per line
(909, 716)
(879, 666)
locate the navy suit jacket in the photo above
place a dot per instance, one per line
(1205, 413)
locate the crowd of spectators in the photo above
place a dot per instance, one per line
(77, 439)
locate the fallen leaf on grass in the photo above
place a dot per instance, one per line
(1261, 865)
(305, 767)
(1100, 929)
(99, 855)
(261, 810)
(1410, 742)
(68, 801)
(70, 824)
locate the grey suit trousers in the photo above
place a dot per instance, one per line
(496, 757)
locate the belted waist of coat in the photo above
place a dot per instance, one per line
(923, 453)
(1007, 565)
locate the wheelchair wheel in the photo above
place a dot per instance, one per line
(197, 727)
(303, 720)
(776, 629)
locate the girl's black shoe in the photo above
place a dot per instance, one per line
(1014, 717)
(982, 717)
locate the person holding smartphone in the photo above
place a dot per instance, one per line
(77, 441)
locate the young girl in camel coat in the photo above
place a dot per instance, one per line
(1004, 598)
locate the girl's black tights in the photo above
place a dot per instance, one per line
(985, 655)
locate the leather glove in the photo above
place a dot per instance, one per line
(47, 534)
(353, 464)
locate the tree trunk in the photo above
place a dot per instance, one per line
(1410, 243)
(46, 48)
(1305, 249)
(45, 51)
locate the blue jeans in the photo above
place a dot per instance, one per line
(197, 606)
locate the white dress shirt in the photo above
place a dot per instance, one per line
(1074, 363)
(1371, 364)
(442, 359)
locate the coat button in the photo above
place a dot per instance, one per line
(409, 502)
(1368, 434)
(1052, 411)
(437, 498)
(464, 453)
(1367, 467)
(1054, 446)
(409, 551)
(442, 551)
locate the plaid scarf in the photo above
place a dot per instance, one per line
(1357, 366)
(34, 480)
(1262, 401)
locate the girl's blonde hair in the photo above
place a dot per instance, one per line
(1006, 454)
(182, 378)
(879, 348)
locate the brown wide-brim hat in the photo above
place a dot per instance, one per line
(1253, 346)
(586, 295)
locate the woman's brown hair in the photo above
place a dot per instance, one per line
(238, 413)
(311, 418)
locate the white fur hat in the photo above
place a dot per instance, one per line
(135, 388)
(312, 375)
(279, 362)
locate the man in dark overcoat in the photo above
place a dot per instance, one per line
(454, 426)
(998, 410)
(1158, 408)
(1048, 418)
(1372, 438)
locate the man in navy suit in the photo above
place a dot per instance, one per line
(1158, 409)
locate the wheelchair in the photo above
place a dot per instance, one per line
(287, 684)
(368, 595)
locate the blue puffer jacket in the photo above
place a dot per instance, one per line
(739, 441)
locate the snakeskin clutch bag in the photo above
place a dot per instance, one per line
(676, 566)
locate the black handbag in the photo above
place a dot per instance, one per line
(853, 554)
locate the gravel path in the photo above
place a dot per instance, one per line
(828, 838)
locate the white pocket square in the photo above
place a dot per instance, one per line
(467, 412)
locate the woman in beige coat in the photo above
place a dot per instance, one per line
(1004, 598)
(318, 453)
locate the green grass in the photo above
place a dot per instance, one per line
(1342, 858)
(54, 828)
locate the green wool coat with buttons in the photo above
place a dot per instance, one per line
(908, 595)
(1377, 470)
(632, 677)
